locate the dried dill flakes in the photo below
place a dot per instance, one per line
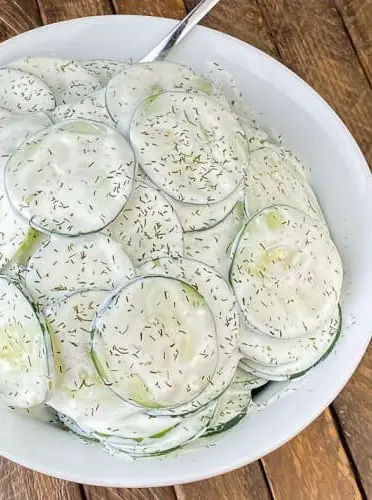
(274, 178)
(148, 226)
(26, 372)
(13, 231)
(104, 69)
(21, 92)
(294, 356)
(186, 430)
(234, 402)
(168, 344)
(157, 355)
(79, 392)
(278, 273)
(64, 265)
(190, 146)
(90, 107)
(197, 217)
(68, 80)
(213, 246)
(16, 128)
(150, 79)
(278, 352)
(72, 178)
(221, 302)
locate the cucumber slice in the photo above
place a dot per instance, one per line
(13, 231)
(26, 371)
(16, 128)
(255, 131)
(271, 351)
(21, 92)
(148, 226)
(258, 370)
(90, 107)
(154, 342)
(75, 428)
(147, 80)
(272, 178)
(221, 301)
(286, 273)
(190, 146)
(105, 69)
(189, 429)
(64, 265)
(213, 245)
(197, 217)
(310, 357)
(234, 402)
(79, 392)
(72, 178)
(68, 80)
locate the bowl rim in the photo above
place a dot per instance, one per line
(324, 401)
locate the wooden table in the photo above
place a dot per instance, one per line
(329, 44)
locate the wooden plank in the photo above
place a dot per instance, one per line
(19, 483)
(312, 41)
(52, 11)
(313, 465)
(162, 8)
(98, 493)
(242, 20)
(17, 16)
(357, 17)
(247, 483)
(354, 411)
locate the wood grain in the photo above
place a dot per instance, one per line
(162, 8)
(311, 39)
(97, 493)
(354, 410)
(17, 16)
(314, 465)
(241, 19)
(52, 11)
(357, 17)
(19, 483)
(247, 483)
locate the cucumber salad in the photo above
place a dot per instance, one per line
(163, 255)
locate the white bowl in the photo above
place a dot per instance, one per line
(343, 183)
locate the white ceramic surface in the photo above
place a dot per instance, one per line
(343, 183)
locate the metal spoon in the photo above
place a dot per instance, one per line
(161, 50)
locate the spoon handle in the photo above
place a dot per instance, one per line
(161, 50)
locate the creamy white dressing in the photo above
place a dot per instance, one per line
(138, 81)
(90, 107)
(16, 128)
(147, 227)
(190, 146)
(61, 266)
(25, 372)
(274, 177)
(68, 80)
(133, 262)
(286, 273)
(222, 304)
(155, 342)
(22, 92)
(72, 178)
(214, 245)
